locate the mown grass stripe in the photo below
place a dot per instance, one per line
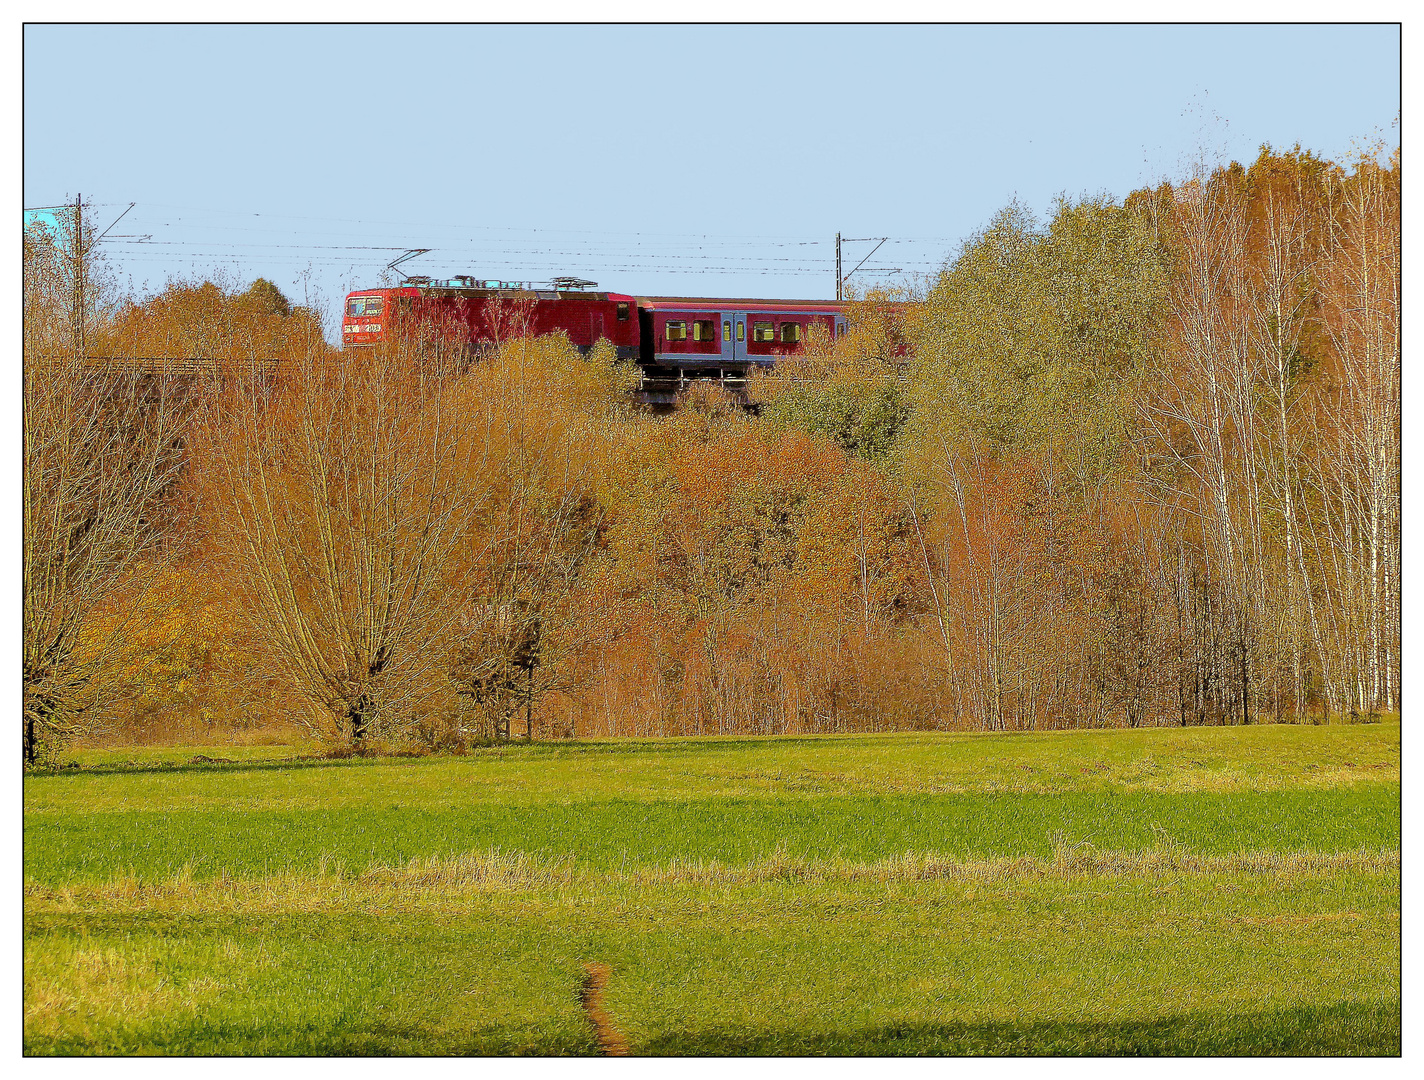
(622, 833)
(493, 871)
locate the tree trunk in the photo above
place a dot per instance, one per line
(357, 716)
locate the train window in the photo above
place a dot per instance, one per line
(677, 331)
(704, 330)
(741, 331)
(763, 331)
(622, 312)
(363, 305)
(790, 333)
(726, 331)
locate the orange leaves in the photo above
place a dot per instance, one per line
(747, 512)
(211, 321)
(757, 576)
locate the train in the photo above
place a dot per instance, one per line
(675, 340)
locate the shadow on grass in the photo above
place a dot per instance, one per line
(1365, 1029)
(514, 750)
(1344, 1029)
(267, 765)
(341, 1039)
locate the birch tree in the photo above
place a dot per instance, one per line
(1359, 479)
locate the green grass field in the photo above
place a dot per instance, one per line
(1201, 891)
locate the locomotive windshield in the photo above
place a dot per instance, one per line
(363, 305)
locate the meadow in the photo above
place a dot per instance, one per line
(1161, 891)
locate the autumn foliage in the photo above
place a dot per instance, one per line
(1135, 465)
(205, 320)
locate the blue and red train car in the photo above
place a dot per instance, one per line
(685, 338)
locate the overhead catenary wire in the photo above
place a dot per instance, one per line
(665, 260)
(631, 265)
(787, 240)
(204, 247)
(358, 250)
(144, 249)
(534, 267)
(606, 252)
(592, 248)
(784, 238)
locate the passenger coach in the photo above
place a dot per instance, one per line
(723, 339)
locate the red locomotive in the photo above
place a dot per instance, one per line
(674, 339)
(486, 311)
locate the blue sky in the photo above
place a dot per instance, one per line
(664, 160)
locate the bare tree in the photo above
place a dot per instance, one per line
(1202, 411)
(544, 416)
(102, 448)
(1359, 434)
(334, 491)
(1286, 261)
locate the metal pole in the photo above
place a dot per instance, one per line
(77, 252)
(838, 266)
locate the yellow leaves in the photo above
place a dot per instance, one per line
(185, 658)
(212, 320)
(739, 559)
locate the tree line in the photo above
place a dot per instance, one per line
(1137, 464)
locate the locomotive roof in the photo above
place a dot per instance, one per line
(653, 303)
(475, 292)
